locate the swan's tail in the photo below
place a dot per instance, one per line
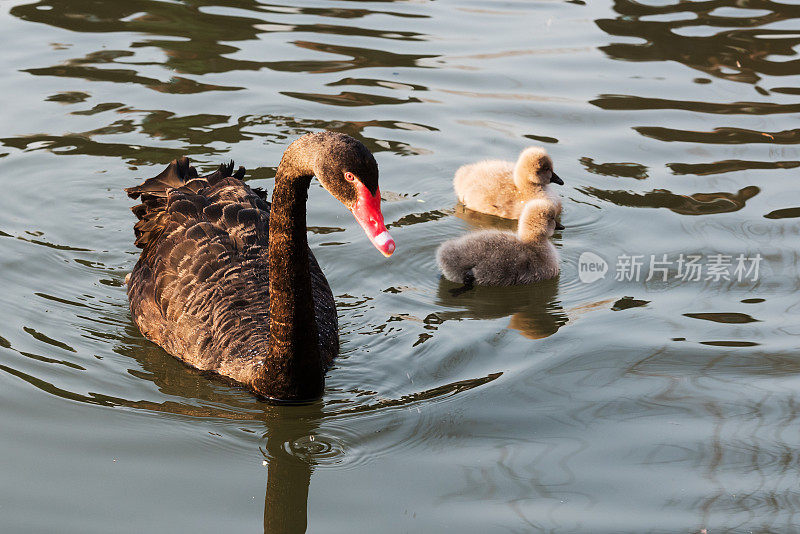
(179, 175)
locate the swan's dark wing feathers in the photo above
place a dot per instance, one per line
(177, 174)
(262, 193)
(224, 170)
(156, 194)
(201, 286)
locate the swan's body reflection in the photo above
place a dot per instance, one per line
(290, 449)
(294, 445)
(483, 220)
(290, 431)
(534, 309)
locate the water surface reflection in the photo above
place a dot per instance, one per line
(534, 309)
(699, 36)
(562, 406)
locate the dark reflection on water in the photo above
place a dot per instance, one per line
(696, 204)
(293, 445)
(194, 46)
(350, 99)
(417, 218)
(534, 309)
(290, 452)
(722, 135)
(197, 132)
(734, 108)
(360, 58)
(483, 220)
(69, 97)
(731, 318)
(786, 213)
(719, 167)
(78, 69)
(623, 170)
(725, 39)
(734, 54)
(203, 41)
(628, 302)
(199, 45)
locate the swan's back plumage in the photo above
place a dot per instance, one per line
(201, 286)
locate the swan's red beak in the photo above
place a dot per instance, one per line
(367, 211)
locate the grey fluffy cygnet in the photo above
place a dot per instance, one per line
(498, 258)
(503, 188)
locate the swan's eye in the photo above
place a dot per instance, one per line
(350, 177)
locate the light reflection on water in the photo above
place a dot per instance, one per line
(559, 407)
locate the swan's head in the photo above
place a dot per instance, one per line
(539, 220)
(348, 170)
(535, 166)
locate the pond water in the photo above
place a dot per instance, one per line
(622, 404)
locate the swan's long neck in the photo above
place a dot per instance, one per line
(293, 369)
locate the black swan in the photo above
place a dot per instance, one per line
(499, 258)
(502, 188)
(226, 281)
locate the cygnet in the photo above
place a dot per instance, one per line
(500, 258)
(502, 188)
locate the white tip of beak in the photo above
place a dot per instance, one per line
(384, 243)
(382, 238)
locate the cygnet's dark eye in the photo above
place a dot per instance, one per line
(349, 176)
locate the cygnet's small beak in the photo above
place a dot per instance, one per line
(559, 226)
(556, 180)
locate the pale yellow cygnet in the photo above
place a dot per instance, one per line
(502, 188)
